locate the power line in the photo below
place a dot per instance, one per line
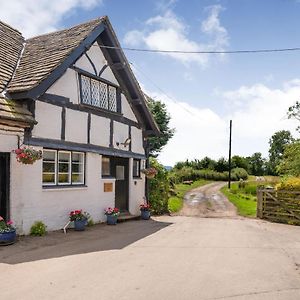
(160, 89)
(204, 52)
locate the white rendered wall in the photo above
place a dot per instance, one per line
(136, 191)
(30, 202)
(67, 86)
(100, 131)
(48, 117)
(76, 126)
(137, 140)
(121, 133)
(126, 109)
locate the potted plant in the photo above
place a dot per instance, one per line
(149, 172)
(145, 211)
(112, 215)
(28, 155)
(79, 218)
(7, 232)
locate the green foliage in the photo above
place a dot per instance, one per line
(240, 162)
(277, 143)
(245, 204)
(159, 189)
(189, 173)
(290, 163)
(162, 119)
(294, 112)
(175, 204)
(221, 165)
(38, 229)
(90, 222)
(256, 164)
(289, 184)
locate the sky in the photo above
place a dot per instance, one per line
(202, 92)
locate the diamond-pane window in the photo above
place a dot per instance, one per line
(99, 94)
(86, 89)
(103, 95)
(95, 96)
(112, 96)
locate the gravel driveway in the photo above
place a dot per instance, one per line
(207, 201)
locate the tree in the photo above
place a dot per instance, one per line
(239, 162)
(277, 143)
(162, 118)
(290, 162)
(256, 164)
(221, 165)
(294, 112)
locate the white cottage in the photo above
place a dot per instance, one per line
(78, 102)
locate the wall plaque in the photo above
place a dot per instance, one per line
(108, 187)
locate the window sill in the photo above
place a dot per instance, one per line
(95, 108)
(64, 187)
(108, 178)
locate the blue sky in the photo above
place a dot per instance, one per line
(202, 92)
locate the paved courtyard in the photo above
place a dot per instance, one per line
(165, 258)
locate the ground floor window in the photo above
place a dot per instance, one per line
(136, 168)
(63, 167)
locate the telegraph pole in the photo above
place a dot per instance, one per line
(229, 160)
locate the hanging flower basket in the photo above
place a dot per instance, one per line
(28, 155)
(149, 172)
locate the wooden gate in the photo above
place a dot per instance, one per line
(279, 206)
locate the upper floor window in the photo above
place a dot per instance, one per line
(98, 93)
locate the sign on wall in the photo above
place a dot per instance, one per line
(108, 187)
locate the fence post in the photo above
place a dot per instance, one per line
(259, 210)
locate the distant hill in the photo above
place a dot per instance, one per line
(168, 168)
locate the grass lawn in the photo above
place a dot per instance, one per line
(245, 203)
(175, 203)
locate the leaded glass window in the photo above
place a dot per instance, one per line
(99, 94)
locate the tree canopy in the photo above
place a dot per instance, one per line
(162, 118)
(290, 163)
(277, 143)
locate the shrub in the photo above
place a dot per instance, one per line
(38, 229)
(175, 204)
(289, 183)
(239, 173)
(90, 222)
(159, 189)
(250, 188)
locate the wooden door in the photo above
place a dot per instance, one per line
(121, 173)
(4, 185)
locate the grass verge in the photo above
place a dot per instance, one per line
(175, 203)
(244, 201)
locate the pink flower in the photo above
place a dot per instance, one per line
(1, 219)
(10, 222)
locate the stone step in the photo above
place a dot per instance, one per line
(123, 217)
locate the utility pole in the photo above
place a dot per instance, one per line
(229, 160)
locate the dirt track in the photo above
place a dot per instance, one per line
(207, 201)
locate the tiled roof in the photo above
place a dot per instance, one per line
(11, 44)
(12, 113)
(42, 54)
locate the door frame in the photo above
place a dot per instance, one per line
(6, 156)
(115, 160)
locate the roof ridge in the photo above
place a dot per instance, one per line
(12, 28)
(68, 28)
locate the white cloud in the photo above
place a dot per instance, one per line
(33, 17)
(169, 32)
(257, 112)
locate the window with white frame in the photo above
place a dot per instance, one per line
(99, 94)
(63, 167)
